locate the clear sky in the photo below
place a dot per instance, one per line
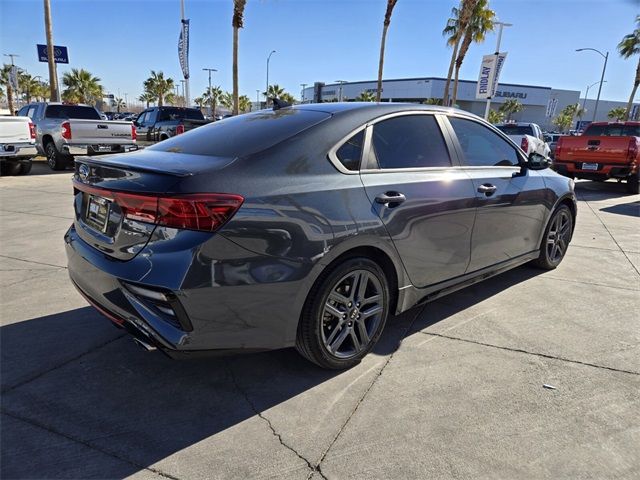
(320, 40)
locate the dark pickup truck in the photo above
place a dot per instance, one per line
(159, 123)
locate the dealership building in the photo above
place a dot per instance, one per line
(541, 104)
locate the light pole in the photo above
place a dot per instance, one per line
(266, 92)
(53, 73)
(186, 78)
(183, 97)
(501, 25)
(584, 100)
(303, 85)
(213, 115)
(604, 68)
(258, 98)
(126, 100)
(340, 82)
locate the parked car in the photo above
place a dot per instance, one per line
(552, 141)
(64, 130)
(307, 226)
(159, 123)
(528, 135)
(17, 145)
(605, 150)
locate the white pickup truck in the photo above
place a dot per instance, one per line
(528, 135)
(64, 130)
(17, 145)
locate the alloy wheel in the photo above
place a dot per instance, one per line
(558, 236)
(352, 313)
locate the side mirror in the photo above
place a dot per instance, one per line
(537, 161)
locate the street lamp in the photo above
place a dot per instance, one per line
(303, 85)
(584, 100)
(604, 68)
(501, 25)
(266, 92)
(340, 82)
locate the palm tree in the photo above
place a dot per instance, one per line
(495, 116)
(366, 96)
(629, 46)
(563, 121)
(159, 87)
(385, 27)
(28, 85)
(211, 96)
(82, 86)
(244, 103)
(119, 104)
(455, 28)
(237, 23)
(199, 101)
(4, 80)
(290, 99)
(274, 91)
(510, 107)
(618, 113)
(574, 110)
(226, 100)
(480, 22)
(147, 97)
(433, 101)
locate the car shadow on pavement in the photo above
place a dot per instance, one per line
(594, 191)
(40, 167)
(631, 209)
(143, 407)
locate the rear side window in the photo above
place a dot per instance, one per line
(350, 152)
(243, 134)
(481, 146)
(72, 111)
(411, 141)
(615, 130)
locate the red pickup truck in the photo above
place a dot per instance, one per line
(605, 150)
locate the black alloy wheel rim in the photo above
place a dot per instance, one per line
(352, 313)
(558, 236)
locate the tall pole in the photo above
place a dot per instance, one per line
(584, 100)
(186, 93)
(53, 74)
(258, 98)
(210, 97)
(604, 68)
(15, 87)
(126, 101)
(340, 82)
(303, 85)
(501, 25)
(266, 92)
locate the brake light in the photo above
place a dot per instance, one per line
(205, 212)
(134, 132)
(32, 130)
(524, 144)
(632, 153)
(66, 130)
(179, 129)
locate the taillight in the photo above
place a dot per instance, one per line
(134, 132)
(66, 130)
(632, 153)
(179, 129)
(524, 144)
(32, 130)
(200, 211)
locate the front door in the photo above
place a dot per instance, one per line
(511, 211)
(427, 206)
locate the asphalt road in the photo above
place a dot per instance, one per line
(454, 390)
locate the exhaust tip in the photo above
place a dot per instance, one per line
(147, 347)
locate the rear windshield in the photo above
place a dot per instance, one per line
(179, 113)
(72, 111)
(615, 130)
(244, 134)
(516, 130)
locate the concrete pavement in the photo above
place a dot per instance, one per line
(454, 390)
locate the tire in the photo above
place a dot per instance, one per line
(9, 168)
(55, 159)
(554, 244)
(25, 168)
(633, 184)
(337, 328)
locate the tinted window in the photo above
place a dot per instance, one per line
(481, 146)
(350, 152)
(23, 111)
(412, 141)
(615, 130)
(516, 130)
(72, 111)
(168, 113)
(243, 134)
(142, 118)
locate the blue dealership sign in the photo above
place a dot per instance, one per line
(60, 54)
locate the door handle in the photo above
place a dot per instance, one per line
(487, 189)
(390, 197)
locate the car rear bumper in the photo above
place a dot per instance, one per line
(604, 170)
(18, 150)
(224, 304)
(83, 149)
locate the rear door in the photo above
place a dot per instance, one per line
(510, 200)
(426, 204)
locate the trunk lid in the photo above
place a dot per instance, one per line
(100, 132)
(104, 187)
(591, 149)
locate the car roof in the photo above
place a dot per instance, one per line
(386, 107)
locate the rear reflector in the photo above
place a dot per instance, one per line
(200, 211)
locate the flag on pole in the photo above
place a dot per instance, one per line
(183, 48)
(489, 74)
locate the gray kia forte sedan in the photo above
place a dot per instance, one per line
(307, 226)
